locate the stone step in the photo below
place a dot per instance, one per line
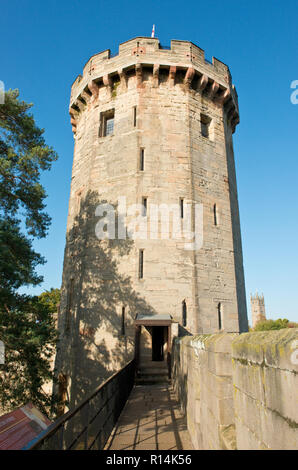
(151, 380)
(153, 364)
(152, 376)
(153, 371)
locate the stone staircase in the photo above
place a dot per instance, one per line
(152, 372)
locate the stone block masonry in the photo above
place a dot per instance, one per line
(150, 125)
(265, 379)
(239, 391)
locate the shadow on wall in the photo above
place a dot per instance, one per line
(179, 377)
(92, 345)
(183, 331)
(231, 186)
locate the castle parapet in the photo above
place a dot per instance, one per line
(213, 79)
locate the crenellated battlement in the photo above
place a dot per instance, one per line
(257, 297)
(183, 58)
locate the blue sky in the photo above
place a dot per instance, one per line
(44, 46)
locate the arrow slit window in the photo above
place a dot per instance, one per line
(205, 125)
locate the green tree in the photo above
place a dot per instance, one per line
(267, 325)
(51, 299)
(27, 326)
(29, 334)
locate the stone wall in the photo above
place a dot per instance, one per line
(265, 370)
(238, 391)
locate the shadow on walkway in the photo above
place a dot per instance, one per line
(151, 420)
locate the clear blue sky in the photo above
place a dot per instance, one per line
(44, 45)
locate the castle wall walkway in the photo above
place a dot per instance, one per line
(151, 420)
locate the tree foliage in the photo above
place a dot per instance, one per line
(17, 261)
(267, 325)
(29, 334)
(26, 323)
(50, 299)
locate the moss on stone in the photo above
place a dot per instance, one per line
(114, 90)
(228, 437)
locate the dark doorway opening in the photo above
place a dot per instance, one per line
(157, 343)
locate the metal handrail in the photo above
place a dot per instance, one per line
(59, 424)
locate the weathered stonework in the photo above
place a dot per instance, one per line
(265, 368)
(160, 100)
(239, 391)
(202, 379)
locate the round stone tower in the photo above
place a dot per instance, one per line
(153, 230)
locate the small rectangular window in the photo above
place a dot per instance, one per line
(134, 116)
(144, 208)
(69, 304)
(142, 159)
(123, 321)
(107, 123)
(184, 313)
(181, 208)
(215, 214)
(141, 264)
(78, 202)
(219, 316)
(109, 127)
(205, 125)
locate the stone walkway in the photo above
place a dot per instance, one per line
(150, 420)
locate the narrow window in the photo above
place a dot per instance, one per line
(78, 202)
(219, 316)
(142, 159)
(141, 264)
(181, 208)
(134, 116)
(109, 126)
(215, 214)
(205, 125)
(123, 321)
(144, 208)
(184, 313)
(69, 304)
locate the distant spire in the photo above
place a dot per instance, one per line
(153, 31)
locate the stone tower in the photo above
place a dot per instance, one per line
(257, 308)
(153, 153)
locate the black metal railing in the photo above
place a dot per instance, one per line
(90, 424)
